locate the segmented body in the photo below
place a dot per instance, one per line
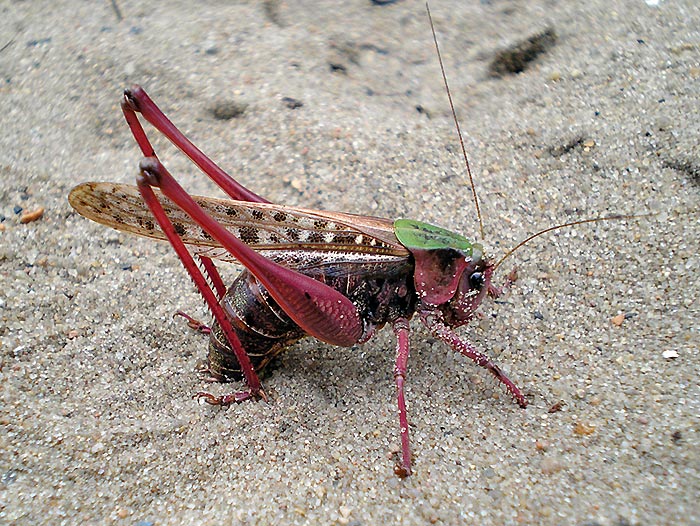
(358, 256)
(382, 292)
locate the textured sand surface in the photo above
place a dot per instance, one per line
(96, 378)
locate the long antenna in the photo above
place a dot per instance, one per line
(565, 225)
(454, 115)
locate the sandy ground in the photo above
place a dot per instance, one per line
(98, 421)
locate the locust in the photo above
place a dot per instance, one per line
(334, 276)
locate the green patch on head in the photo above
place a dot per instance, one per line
(416, 235)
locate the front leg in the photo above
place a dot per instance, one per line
(434, 321)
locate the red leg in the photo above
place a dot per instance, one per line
(193, 323)
(136, 100)
(214, 277)
(318, 309)
(433, 320)
(149, 197)
(322, 312)
(401, 329)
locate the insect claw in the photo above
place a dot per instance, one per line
(208, 398)
(496, 292)
(402, 471)
(231, 398)
(193, 323)
(512, 276)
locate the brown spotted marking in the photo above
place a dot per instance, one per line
(267, 228)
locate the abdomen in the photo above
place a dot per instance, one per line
(381, 292)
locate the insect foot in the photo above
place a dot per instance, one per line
(194, 324)
(433, 320)
(231, 398)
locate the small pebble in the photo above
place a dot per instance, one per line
(32, 215)
(227, 110)
(582, 429)
(549, 466)
(557, 406)
(291, 103)
(617, 320)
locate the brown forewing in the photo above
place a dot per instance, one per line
(264, 227)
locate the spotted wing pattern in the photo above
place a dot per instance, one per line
(274, 230)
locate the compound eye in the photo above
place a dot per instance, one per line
(476, 280)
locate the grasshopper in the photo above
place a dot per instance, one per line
(335, 276)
